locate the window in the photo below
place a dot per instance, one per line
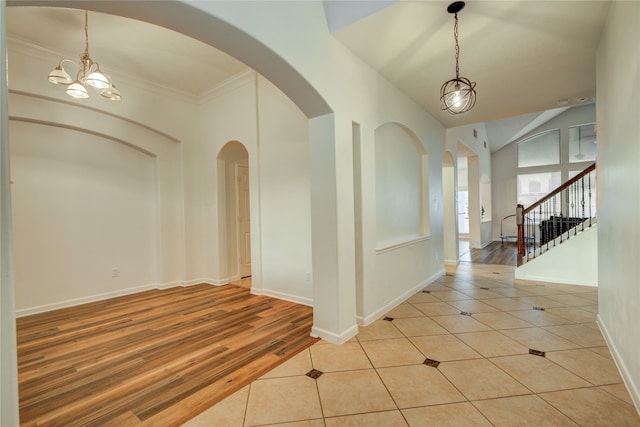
(582, 143)
(540, 150)
(534, 186)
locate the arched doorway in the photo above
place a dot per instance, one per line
(234, 212)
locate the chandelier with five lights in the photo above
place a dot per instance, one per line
(89, 74)
(457, 95)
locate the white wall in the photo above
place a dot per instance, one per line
(285, 210)
(9, 415)
(618, 87)
(94, 190)
(83, 205)
(505, 165)
(574, 262)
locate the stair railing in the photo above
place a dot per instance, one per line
(558, 216)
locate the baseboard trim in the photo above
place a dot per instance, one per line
(214, 282)
(283, 296)
(168, 285)
(93, 298)
(549, 279)
(369, 319)
(622, 367)
(332, 337)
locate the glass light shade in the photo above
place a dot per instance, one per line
(77, 90)
(98, 80)
(458, 95)
(59, 76)
(111, 93)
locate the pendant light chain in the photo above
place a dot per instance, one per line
(457, 95)
(455, 35)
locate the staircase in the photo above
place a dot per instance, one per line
(557, 217)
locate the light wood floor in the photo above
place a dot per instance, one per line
(155, 358)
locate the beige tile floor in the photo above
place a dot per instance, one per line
(485, 375)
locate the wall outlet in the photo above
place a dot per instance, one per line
(308, 278)
(115, 272)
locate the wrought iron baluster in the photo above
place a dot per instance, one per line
(590, 201)
(583, 211)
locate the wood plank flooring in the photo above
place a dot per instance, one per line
(493, 253)
(155, 358)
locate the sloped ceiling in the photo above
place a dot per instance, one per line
(525, 56)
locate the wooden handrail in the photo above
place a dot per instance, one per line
(559, 189)
(521, 211)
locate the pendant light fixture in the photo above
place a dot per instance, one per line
(457, 95)
(89, 74)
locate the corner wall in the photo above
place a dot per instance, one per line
(275, 133)
(474, 137)
(618, 94)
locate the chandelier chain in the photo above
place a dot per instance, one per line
(86, 33)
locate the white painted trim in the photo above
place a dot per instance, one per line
(334, 338)
(397, 245)
(33, 50)
(633, 390)
(167, 285)
(234, 82)
(213, 282)
(551, 279)
(283, 296)
(230, 279)
(93, 298)
(365, 321)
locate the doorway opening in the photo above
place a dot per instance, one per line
(235, 213)
(450, 217)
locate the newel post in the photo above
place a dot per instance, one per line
(520, 224)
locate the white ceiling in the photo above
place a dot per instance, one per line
(524, 55)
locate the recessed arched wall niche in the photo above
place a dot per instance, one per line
(401, 181)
